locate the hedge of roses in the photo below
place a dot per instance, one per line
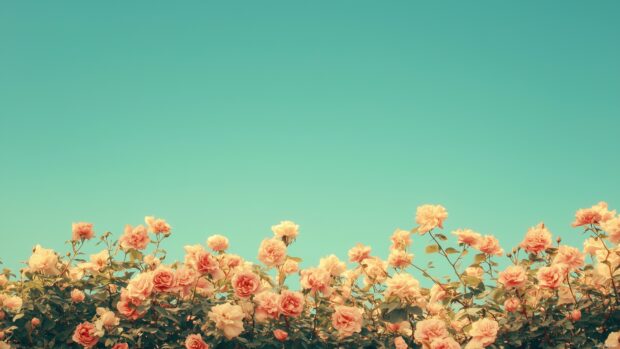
(127, 296)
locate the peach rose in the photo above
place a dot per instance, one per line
(286, 230)
(272, 252)
(140, 287)
(121, 346)
(266, 306)
(428, 330)
(217, 243)
(512, 304)
(399, 259)
(488, 244)
(82, 231)
(35, 322)
(316, 280)
(552, 276)
(347, 320)
(245, 283)
(4, 345)
(475, 272)
(375, 270)
(437, 293)
(43, 260)
(467, 237)
(280, 335)
(401, 239)
(77, 296)
(399, 343)
(592, 245)
(107, 320)
(291, 303)
(484, 331)
(157, 225)
(332, 265)
(290, 266)
(537, 239)
(228, 318)
(613, 340)
(13, 304)
(429, 217)
(358, 253)
(84, 335)
(404, 286)
(612, 228)
(445, 343)
(134, 238)
(513, 277)
(570, 257)
(596, 214)
(194, 341)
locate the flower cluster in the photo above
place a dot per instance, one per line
(540, 294)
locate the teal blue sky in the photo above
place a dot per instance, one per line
(344, 116)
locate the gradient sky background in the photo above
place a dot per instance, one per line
(344, 116)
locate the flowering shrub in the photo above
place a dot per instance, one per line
(127, 296)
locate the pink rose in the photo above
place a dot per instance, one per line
(280, 335)
(569, 256)
(552, 276)
(347, 320)
(484, 331)
(574, 315)
(35, 322)
(467, 237)
(272, 252)
(77, 296)
(537, 239)
(194, 341)
(186, 278)
(291, 303)
(596, 214)
(84, 335)
(83, 231)
(358, 253)
(430, 217)
(513, 277)
(127, 309)
(404, 286)
(157, 225)
(134, 238)
(512, 304)
(206, 263)
(245, 283)
(430, 329)
(164, 280)
(217, 243)
(121, 346)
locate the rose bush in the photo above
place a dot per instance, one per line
(546, 295)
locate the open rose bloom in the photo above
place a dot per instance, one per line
(128, 292)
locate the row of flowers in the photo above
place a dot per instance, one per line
(127, 296)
